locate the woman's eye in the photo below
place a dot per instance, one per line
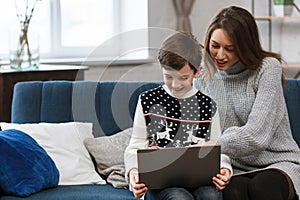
(215, 46)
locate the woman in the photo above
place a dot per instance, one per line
(246, 82)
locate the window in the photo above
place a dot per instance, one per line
(75, 28)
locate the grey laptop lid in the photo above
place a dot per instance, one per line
(178, 167)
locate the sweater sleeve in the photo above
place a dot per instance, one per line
(226, 163)
(215, 134)
(139, 140)
(265, 116)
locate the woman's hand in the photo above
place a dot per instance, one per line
(222, 180)
(138, 189)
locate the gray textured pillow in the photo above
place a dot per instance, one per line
(108, 152)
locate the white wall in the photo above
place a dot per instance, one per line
(286, 32)
(162, 19)
(162, 13)
(134, 72)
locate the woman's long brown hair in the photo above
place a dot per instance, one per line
(242, 29)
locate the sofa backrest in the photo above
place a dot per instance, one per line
(109, 105)
(292, 98)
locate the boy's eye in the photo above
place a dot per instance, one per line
(183, 78)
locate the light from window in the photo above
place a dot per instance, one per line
(86, 24)
(74, 28)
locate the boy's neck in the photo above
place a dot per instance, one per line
(188, 94)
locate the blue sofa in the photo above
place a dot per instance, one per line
(110, 107)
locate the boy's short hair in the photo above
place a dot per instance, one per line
(178, 49)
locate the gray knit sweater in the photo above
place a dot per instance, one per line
(255, 126)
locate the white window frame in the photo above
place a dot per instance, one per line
(59, 52)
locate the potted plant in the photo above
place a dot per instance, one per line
(283, 7)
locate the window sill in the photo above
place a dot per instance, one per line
(91, 62)
(97, 61)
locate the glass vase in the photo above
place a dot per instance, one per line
(24, 50)
(283, 10)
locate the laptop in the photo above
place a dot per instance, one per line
(178, 167)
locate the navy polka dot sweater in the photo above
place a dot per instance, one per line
(176, 122)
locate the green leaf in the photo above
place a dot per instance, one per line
(283, 2)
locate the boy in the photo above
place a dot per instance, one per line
(175, 115)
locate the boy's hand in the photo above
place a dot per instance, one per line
(138, 189)
(208, 143)
(222, 179)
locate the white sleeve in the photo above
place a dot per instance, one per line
(139, 140)
(226, 163)
(215, 134)
(215, 127)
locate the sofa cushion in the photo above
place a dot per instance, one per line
(79, 192)
(108, 152)
(26, 167)
(64, 143)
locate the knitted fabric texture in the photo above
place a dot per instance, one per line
(177, 122)
(254, 120)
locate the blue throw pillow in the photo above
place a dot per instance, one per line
(25, 167)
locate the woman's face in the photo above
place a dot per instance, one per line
(222, 50)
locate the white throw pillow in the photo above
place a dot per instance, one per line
(64, 144)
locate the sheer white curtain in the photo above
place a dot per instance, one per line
(183, 9)
(73, 28)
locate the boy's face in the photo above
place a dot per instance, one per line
(180, 81)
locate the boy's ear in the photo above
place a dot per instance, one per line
(198, 72)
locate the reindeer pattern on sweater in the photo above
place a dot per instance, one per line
(177, 122)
